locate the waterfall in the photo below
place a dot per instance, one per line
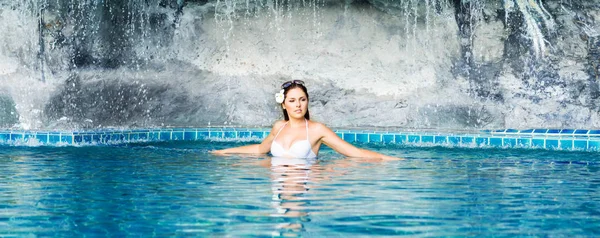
(445, 64)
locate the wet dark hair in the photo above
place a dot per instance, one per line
(285, 91)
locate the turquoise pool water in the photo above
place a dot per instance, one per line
(177, 188)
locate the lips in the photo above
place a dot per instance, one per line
(298, 111)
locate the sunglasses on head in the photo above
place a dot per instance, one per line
(289, 83)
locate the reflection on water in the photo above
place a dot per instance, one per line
(291, 180)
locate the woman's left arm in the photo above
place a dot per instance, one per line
(332, 140)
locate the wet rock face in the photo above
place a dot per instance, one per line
(436, 63)
(99, 99)
(593, 67)
(93, 103)
(8, 113)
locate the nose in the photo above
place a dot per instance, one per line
(298, 103)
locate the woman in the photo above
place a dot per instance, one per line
(297, 136)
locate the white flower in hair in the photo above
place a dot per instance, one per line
(279, 96)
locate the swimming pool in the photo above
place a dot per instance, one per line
(177, 188)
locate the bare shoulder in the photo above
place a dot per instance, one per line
(318, 127)
(278, 124)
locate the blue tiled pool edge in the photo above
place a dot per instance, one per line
(574, 140)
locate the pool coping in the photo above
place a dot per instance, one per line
(551, 139)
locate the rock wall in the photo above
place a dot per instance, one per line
(380, 63)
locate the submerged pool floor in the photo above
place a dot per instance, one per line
(178, 188)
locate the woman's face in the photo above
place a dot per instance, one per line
(296, 103)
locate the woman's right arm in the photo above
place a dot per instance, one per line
(262, 148)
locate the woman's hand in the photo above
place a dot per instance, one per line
(390, 158)
(218, 152)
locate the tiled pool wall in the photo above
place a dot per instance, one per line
(553, 139)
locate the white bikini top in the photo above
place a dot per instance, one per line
(299, 149)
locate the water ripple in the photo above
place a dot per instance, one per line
(181, 190)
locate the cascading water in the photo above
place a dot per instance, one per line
(408, 63)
